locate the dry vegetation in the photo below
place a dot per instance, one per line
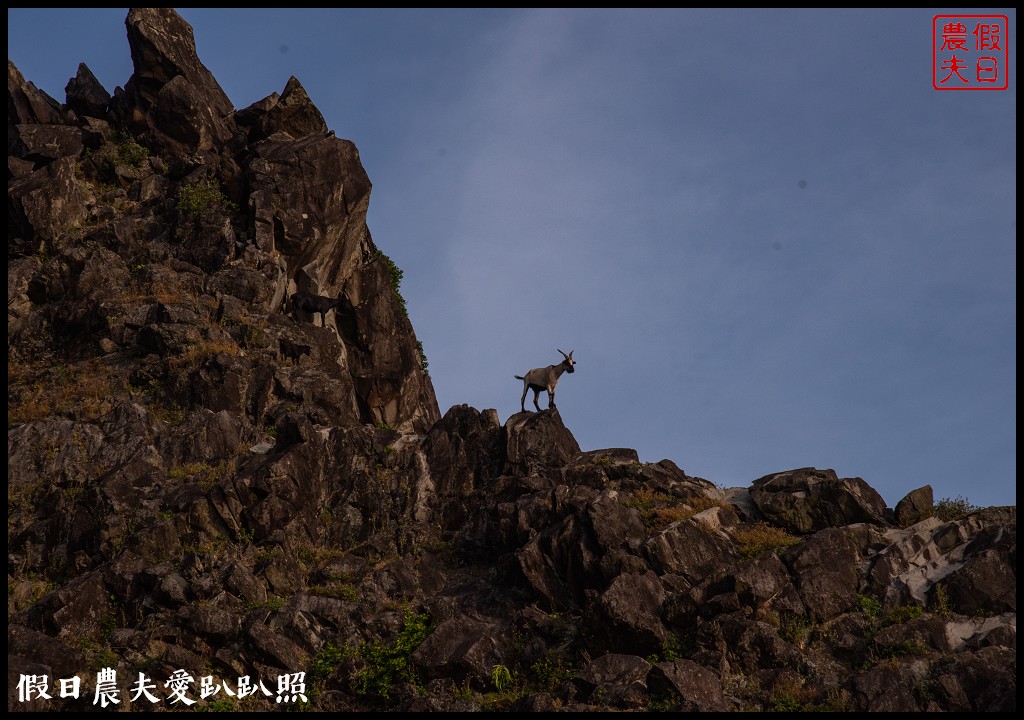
(759, 538)
(659, 510)
(82, 391)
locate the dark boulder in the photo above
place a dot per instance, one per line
(915, 506)
(538, 444)
(808, 499)
(85, 95)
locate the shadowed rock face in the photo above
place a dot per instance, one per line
(171, 95)
(810, 499)
(198, 481)
(202, 208)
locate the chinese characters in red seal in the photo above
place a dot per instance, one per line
(970, 52)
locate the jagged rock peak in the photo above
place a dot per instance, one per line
(163, 47)
(172, 100)
(28, 104)
(170, 132)
(86, 95)
(292, 113)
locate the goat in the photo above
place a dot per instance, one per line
(545, 378)
(317, 304)
(293, 350)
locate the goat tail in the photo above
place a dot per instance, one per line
(518, 377)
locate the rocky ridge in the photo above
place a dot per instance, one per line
(202, 479)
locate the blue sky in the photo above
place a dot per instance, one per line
(769, 241)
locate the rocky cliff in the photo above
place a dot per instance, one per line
(213, 490)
